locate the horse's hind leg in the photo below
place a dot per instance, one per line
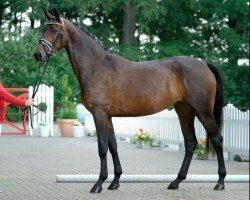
(186, 116)
(113, 150)
(214, 134)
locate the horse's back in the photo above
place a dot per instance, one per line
(143, 88)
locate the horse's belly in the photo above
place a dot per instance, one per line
(142, 107)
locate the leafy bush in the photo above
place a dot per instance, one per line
(66, 113)
(201, 148)
(42, 107)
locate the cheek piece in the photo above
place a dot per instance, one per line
(49, 47)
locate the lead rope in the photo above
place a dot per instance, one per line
(35, 89)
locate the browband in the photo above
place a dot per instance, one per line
(56, 23)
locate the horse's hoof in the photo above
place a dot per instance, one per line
(173, 186)
(96, 189)
(219, 186)
(113, 186)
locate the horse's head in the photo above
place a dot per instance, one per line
(53, 37)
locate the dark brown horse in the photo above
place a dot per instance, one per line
(112, 86)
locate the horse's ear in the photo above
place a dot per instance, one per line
(47, 14)
(56, 14)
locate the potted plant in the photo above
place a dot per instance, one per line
(204, 149)
(42, 107)
(78, 129)
(66, 121)
(67, 113)
(44, 130)
(200, 150)
(143, 139)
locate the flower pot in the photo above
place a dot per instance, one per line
(44, 131)
(146, 144)
(65, 126)
(78, 131)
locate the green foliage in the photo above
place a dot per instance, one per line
(201, 148)
(67, 110)
(43, 124)
(42, 107)
(142, 135)
(66, 93)
(66, 113)
(14, 114)
(237, 87)
(215, 31)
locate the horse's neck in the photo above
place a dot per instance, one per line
(83, 52)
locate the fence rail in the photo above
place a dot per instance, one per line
(165, 126)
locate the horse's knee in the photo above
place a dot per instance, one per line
(102, 152)
(113, 151)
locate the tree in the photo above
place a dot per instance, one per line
(129, 23)
(215, 31)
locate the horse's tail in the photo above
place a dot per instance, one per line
(219, 100)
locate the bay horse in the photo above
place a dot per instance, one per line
(112, 86)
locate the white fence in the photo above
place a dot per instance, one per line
(44, 94)
(165, 126)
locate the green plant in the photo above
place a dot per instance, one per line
(67, 110)
(67, 93)
(201, 148)
(42, 107)
(66, 113)
(43, 124)
(142, 136)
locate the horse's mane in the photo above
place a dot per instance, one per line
(92, 36)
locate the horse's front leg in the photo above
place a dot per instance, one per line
(113, 150)
(101, 122)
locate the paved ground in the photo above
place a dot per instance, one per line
(29, 165)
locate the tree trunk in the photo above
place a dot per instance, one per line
(128, 36)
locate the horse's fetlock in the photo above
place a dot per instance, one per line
(181, 177)
(118, 173)
(103, 178)
(222, 173)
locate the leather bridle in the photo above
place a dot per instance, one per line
(49, 47)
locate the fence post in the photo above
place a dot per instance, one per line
(162, 145)
(51, 110)
(230, 131)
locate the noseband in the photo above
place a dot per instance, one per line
(48, 47)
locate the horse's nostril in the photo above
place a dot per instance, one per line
(38, 55)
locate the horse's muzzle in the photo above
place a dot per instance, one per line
(40, 56)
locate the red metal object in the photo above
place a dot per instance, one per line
(18, 129)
